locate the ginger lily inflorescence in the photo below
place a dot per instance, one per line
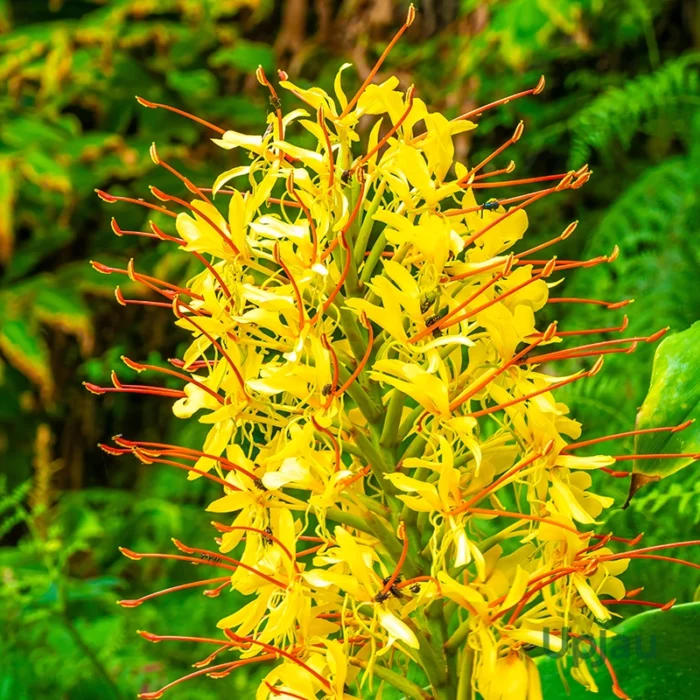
(397, 490)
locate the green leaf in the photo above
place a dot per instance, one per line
(653, 654)
(43, 170)
(673, 399)
(194, 84)
(66, 311)
(246, 56)
(25, 349)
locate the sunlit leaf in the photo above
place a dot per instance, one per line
(25, 349)
(673, 398)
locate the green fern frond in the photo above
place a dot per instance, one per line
(619, 113)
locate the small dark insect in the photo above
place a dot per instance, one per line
(259, 484)
(327, 390)
(425, 305)
(393, 590)
(275, 102)
(268, 530)
(345, 176)
(491, 205)
(415, 588)
(381, 597)
(433, 319)
(209, 557)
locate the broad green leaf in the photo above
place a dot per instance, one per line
(67, 312)
(653, 654)
(25, 350)
(246, 56)
(673, 399)
(194, 84)
(43, 170)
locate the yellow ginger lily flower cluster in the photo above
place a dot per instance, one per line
(397, 484)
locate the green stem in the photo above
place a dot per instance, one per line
(390, 430)
(392, 545)
(351, 328)
(373, 258)
(409, 689)
(432, 661)
(368, 408)
(366, 228)
(466, 671)
(458, 637)
(376, 462)
(345, 518)
(352, 286)
(409, 422)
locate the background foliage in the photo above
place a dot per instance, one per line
(623, 95)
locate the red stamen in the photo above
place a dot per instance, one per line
(154, 458)
(139, 601)
(134, 389)
(312, 224)
(596, 331)
(409, 21)
(365, 358)
(681, 455)
(524, 181)
(505, 100)
(163, 196)
(564, 354)
(581, 375)
(184, 452)
(439, 323)
(657, 548)
(504, 477)
(409, 106)
(522, 516)
(355, 477)
(176, 304)
(401, 533)
(123, 301)
(576, 300)
(561, 237)
(266, 535)
(185, 181)
(546, 272)
(283, 202)
(247, 641)
(529, 594)
(274, 100)
(140, 367)
(332, 438)
(642, 603)
(217, 555)
(214, 592)
(295, 287)
(629, 433)
(348, 252)
(155, 105)
(111, 198)
(495, 173)
(460, 400)
(464, 180)
(334, 364)
(617, 690)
